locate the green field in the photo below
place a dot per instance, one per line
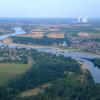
(9, 71)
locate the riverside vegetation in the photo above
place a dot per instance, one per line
(67, 79)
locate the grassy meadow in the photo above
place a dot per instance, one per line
(9, 71)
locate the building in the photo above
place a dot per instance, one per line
(79, 20)
(85, 20)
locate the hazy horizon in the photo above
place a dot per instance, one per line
(49, 8)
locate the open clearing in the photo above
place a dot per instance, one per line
(35, 91)
(56, 35)
(10, 71)
(42, 34)
(34, 35)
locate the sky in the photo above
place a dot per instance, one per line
(50, 8)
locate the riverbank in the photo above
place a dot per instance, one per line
(9, 42)
(78, 55)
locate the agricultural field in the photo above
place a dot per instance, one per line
(34, 35)
(42, 34)
(56, 35)
(10, 71)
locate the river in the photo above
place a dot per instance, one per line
(79, 56)
(75, 55)
(18, 30)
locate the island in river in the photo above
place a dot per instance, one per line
(80, 56)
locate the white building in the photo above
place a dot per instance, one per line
(85, 20)
(79, 19)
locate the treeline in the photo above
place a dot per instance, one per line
(47, 68)
(76, 29)
(96, 62)
(65, 75)
(37, 41)
(92, 40)
(68, 88)
(5, 29)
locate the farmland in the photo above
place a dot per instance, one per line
(34, 35)
(54, 35)
(42, 34)
(10, 71)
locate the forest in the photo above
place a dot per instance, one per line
(96, 62)
(38, 41)
(68, 82)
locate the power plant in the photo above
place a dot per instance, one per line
(82, 20)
